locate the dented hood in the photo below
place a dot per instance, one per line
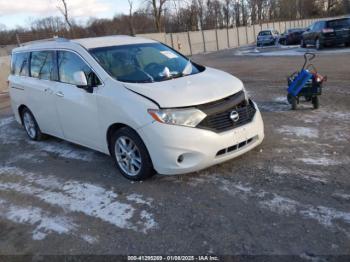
(205, 87)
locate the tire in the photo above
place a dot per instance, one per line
(131, 155)
(302, 43)
(318, 44)
(316, 102)
(294, 103)
(31, 126)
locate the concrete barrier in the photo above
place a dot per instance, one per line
(4, 72)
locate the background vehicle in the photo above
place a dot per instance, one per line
(267, 37)
(327, 33)
(292, 36)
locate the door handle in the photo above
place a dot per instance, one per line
(60, 94)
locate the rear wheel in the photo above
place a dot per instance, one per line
(319, 46)
(316, 102)
(294, 102)
(131, 155)
(31, 126)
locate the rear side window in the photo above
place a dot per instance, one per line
(70, 63)
(41, 65)
(19, 64)
(337, 24)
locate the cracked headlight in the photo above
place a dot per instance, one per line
(190, 117)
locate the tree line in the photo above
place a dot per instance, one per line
(175, 16)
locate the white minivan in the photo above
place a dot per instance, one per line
(149, 107)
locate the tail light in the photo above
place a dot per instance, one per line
(327, 30)
(320, 79)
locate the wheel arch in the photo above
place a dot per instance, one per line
(20, 111)
(116, 126)
(112, 129)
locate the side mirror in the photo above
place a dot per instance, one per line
(81, 81)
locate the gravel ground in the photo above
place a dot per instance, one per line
(289, 196)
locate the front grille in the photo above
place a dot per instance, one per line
(221, 121)
(236, 147)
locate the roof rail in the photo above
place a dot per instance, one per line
(55, 38)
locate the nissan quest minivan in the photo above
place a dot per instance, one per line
(143, 103)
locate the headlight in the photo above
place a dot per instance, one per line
(183, 117)
(246, 94)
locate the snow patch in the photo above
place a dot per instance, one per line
(90, 239)
(298, 131)
(321, 161)
(138, 199)
(284, 205)
(281, 99)
(6, 121)
(281, 170)
(65, 150)
(74, 196)
(280, 205)
(325, 215)
(343, 196)
(15, 135)
(306, 174)
(43, 222)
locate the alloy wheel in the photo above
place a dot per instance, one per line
(29, 125)
(128, 156)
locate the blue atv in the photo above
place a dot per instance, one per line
(306, 83)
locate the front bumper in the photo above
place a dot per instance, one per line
(266, 42)
(199, 148)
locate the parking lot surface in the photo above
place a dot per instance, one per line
(291, 195)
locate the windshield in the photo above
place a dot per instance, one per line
(265, 33)
(144, 63)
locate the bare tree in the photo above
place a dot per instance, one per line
(346, 6)
(227, 12)
(131, 17)
(157, 10)
(201, 13)
(64, 12)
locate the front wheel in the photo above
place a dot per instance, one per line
(316, 102)
(131, 155)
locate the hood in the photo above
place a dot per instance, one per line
(205, 87)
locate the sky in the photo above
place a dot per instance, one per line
(15, 13)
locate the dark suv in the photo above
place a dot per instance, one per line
(327, 33)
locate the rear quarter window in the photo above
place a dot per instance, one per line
(341, 23)
(19, 64)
